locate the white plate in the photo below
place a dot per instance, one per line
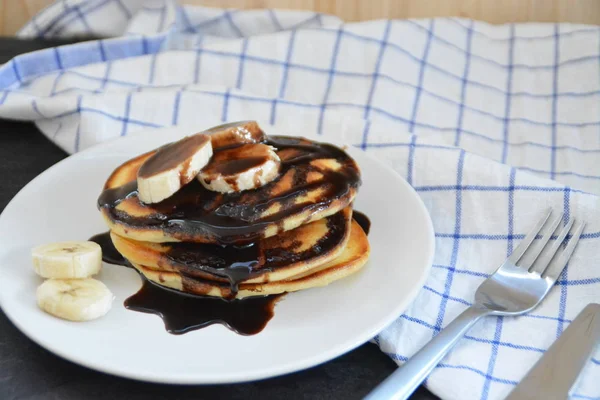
(309, 327)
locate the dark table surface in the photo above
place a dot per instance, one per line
(28, 371)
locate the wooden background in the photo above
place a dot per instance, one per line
(14, 13)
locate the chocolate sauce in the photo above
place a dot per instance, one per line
(110, 254)
(236, 263)
(233, 167)
(277, 256)
(234, 133)
(238, 159)
(362, 220)
(239, 217)
(182, 312)
(233, 263)
(171, 155)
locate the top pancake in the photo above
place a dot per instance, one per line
(316, 180)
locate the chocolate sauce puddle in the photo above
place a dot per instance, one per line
(182, 312)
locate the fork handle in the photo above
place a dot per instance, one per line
(405, 380)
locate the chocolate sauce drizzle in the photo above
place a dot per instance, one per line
(238, 217)
(169, 156)
(232, 263)
(237, 263)
(236, 159)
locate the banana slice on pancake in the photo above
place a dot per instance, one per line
(172, 167)
(235, 133)
(240, 168)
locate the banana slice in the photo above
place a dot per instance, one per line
(240, 168)
(65, 260)
(172, 167)
(74, 299)
(235, 133)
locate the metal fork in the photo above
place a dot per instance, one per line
(517, 286)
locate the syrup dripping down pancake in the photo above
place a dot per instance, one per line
(353, 257)
(280, 257)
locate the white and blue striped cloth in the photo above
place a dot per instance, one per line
(490, 124)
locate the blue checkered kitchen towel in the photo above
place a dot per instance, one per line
(490, 124)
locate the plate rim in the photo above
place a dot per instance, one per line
(249, 375)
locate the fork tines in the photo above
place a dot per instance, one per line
(547, 264)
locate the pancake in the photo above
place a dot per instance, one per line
(351, 260)
(280, 257)
(316, 180)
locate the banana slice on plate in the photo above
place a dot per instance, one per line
(245, 167)
(172, 167)
(74, 299)
(65, 260)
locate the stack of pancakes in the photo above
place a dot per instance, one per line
(295, 232)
